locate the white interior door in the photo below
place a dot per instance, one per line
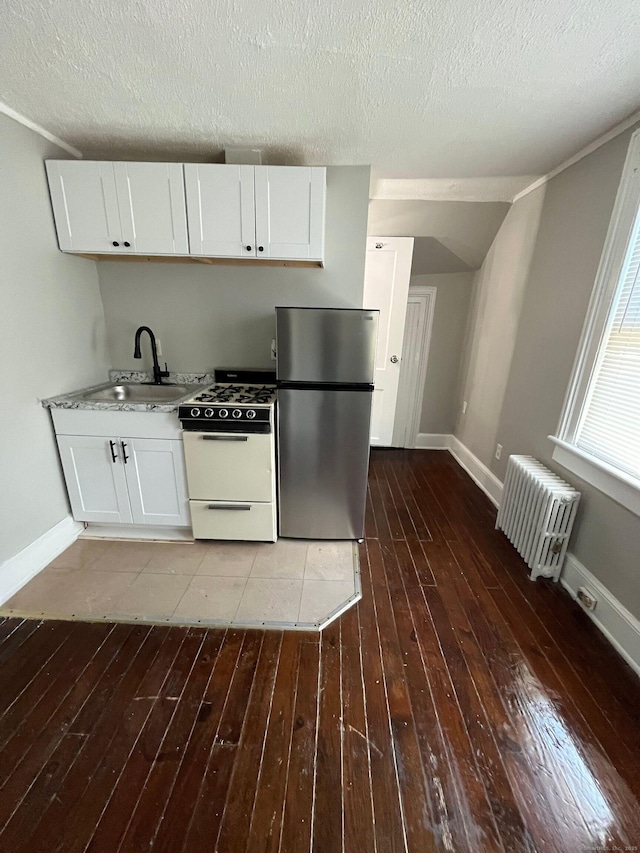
(85, 206)
(95, 478)
(386, 286)
(220, 209)
(156, 480)
(415, 355)
(152, 208)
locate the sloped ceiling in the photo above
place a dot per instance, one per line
(433, 88)
(451, 236)
(431, 257)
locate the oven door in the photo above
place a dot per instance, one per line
(229, 467)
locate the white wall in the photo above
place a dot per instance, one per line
(518, 392)
(216, 316)
(441, 387)
(52, 338)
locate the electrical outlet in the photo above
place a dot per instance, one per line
(498, 451)
(158, 346)
(464, 407)
(587, 599)
(273, 349)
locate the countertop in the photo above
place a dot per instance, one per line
(72, 401)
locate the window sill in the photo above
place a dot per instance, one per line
(620, 487)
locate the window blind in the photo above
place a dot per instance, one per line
(609, 427)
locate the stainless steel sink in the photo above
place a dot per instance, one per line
(134, 392)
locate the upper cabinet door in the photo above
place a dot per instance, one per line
(85, 207)
(152, 208)
(290, 212)
(220, 210)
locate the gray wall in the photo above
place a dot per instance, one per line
(575, 217)
(52, 336)
(208, 316)
(493, 325)
(440, 400)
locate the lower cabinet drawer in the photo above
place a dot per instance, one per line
(233, 520)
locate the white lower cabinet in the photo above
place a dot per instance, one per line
(122, 480)
(96, 479)
(156, 481)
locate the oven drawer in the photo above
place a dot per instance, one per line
(233, 520)
(229, 467)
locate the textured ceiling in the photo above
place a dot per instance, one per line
(430, 88)
(452, 230)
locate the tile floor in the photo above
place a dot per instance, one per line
(290, 583)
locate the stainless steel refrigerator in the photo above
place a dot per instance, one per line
(325, 368)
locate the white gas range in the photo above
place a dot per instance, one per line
(229, 445)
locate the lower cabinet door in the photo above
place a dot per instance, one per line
(95, 478)
(155, 475)
(233, 520)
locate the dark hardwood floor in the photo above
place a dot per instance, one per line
(458, 707)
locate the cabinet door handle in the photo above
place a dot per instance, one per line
(225, 438)
(229, 506)
(124, 452)
(114, 457)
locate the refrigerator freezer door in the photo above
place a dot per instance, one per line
(323, 440)
(326, 345)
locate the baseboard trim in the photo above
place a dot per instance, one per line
(477, 470)
(18, 570)
(138, 532)
(619, 626)
(433, 441)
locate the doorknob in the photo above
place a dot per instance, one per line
(394, 359)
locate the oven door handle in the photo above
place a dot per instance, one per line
(209, 437)
(229, 506)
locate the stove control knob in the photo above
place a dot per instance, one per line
(223, 413)
(208, 413)
(236, 413)
(195, 413)
(251, 414)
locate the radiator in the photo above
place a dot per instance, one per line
(536, 514)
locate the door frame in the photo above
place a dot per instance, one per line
(410, 394)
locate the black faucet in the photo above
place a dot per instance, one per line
(157, 373)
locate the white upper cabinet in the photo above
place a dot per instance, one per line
(85, 206)
(220, 210)
(119, 208)
(273, 212)
(201, 209)
(290, 212)
(152, 207)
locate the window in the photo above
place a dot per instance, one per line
(599, 434)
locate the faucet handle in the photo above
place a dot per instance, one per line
(165, 372)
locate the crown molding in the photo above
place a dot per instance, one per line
(5, 109)
(502, 188)
(634, 118)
